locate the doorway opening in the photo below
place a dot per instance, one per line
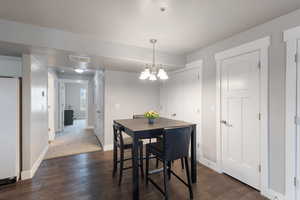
(71, 108)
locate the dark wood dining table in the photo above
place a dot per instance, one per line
(140, 129)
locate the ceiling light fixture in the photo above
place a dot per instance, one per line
(79, 70)
(153, 71)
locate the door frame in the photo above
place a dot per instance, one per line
(83, 82)
(261, 45)
(51, 103)
(291, 36)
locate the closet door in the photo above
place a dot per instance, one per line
(240, 110)
(298, 126)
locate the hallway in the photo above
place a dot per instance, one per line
(73, 140)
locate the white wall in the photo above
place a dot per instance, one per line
(35, 114)
(126, 95)
(10, 66)
(73, 99)
(277, 65)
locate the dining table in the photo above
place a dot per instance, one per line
(139, 129)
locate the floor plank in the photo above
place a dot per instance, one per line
(89, 177)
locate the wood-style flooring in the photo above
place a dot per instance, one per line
(89, 177)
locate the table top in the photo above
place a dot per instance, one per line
(142, 124)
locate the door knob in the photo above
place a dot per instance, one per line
(226, 123)
(223, 121)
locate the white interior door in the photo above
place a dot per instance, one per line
(240, 107)
(181, 98)
(174, 89)
(9, 132)
(298, 126)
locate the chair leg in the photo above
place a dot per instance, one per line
(157, 163)
(142, 160)
(166, 180)
(182, 163)
(121, 165)
(169, 170)
(188, 177)
(147, 164)
(115, 162)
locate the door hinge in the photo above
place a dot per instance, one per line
(259, 168)
(259, 116)
(259, 65)
(295, 181)
(296, 58)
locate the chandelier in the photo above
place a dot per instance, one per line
(153, 71)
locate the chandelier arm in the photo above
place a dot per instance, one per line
(154, 54)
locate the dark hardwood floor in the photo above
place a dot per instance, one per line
(89, 176)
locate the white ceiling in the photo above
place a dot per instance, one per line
(59, 59)
(186, 25)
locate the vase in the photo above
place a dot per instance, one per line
(151, 120)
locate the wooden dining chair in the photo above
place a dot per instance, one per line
(174, 146)
(125, 144)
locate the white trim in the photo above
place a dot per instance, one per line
(210, 164)
(290, 37)
(245, 48)
(271, 194)
(28, 174)
(108, 147)
(90, 128)
(291, 34)
(195, 63)
(261, 45)
(189, 66)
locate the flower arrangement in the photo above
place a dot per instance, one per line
(151, 116)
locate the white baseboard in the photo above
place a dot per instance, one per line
(90, 128)
(210, 164)
(28, 174)
(108, 147)
(273, 195)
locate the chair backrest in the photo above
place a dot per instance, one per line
(176, 143)
(138, 116)
(118, 136)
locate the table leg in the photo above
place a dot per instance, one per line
(135, 168)
(193, 154)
